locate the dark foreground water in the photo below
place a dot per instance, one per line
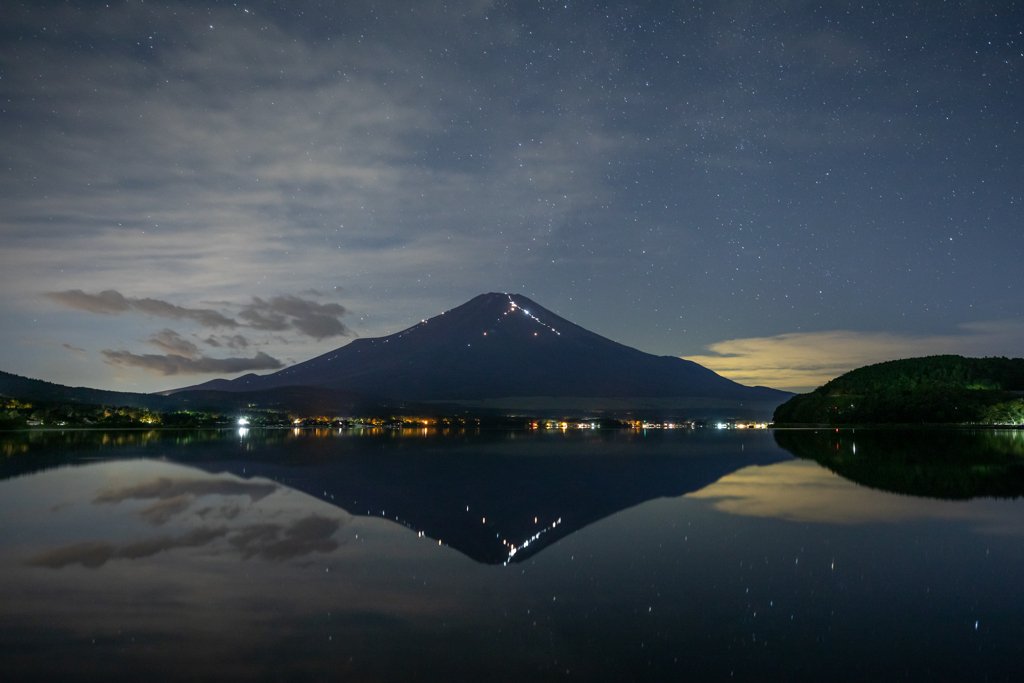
(517, 556)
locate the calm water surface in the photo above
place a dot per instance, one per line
(605, 555)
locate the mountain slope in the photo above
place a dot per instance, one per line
(500, 345)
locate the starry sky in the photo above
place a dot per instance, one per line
(781, 191)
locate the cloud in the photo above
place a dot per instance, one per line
(108, 302)
(272, 322)
(173, 343)
(173, 364)
(280, 313)
(804, 360)
(111, 302)
(235, 341)
(163, 309)
(69, 347)
(182, 356)
(309, 317)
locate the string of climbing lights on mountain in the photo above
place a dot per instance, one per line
(535, 318)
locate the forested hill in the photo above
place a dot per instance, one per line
(16, 386)
(930, 390)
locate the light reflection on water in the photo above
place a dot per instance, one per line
(182, 561)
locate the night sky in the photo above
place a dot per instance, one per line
(781, 191)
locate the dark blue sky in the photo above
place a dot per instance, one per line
(781, 191)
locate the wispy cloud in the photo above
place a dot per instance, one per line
(173, 364)
(235, 341)
(111, 302)
(172, 342)
(280, 313)
(802, 361)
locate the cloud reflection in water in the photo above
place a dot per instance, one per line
(803, 491)
(175, 497)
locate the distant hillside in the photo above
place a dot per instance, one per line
(931, 390)
(26, 389)
(302, 400)
(497, 346)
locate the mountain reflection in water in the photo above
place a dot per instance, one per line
(496, 496)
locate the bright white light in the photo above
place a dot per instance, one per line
(242, 422)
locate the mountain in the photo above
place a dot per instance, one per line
(497, 346)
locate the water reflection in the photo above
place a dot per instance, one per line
(497, 497)
(494, 498)
(227, 558)
(948, 464)
(153, 561)
(33, 450)
(803, 491)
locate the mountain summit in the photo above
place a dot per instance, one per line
(499, 346)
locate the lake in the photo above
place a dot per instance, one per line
(606, 555)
